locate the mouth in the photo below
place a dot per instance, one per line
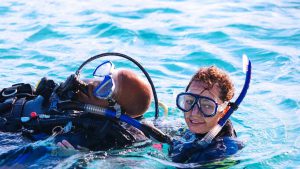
(196, 122)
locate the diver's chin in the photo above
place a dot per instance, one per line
(197, 127)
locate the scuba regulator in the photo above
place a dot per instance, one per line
(68, 89)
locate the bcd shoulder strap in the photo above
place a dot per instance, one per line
(17, 90)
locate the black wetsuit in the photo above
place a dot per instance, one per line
(223, 145)
(84, 129)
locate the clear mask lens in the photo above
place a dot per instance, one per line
(106, 68)
(105, 88)
(103, 73)
(186, 102)
(208, 107)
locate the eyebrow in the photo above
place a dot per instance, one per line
(214, 96)
(216, 100)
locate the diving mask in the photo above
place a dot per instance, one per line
(107, 85)
(207, 106)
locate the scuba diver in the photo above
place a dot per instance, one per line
(206, 106)
(59, 109)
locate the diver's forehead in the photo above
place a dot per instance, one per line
(197, 85)
(204, 89)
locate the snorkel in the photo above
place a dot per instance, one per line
(207, 139)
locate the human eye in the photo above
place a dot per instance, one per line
(189, 101)
(206, 104)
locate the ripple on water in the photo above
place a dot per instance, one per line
(11, 141)
(279, 159)
(127, 14)
(34, 66)
(28, 28)
(183, 28)
(153, 38)
(4, 10)
(100, 28)
(9, 50)
(202, 59)
(32, 15)
(248, 28)
(281, 60)
(214, 37)
(45, 33)
(107, 30)
(264, 6)
(139, 14)
(43, 58)
(173, 66)
(59, 48)
(8, 57)
(87, 12)
(159, 10)
(257, 55)
(289, 103)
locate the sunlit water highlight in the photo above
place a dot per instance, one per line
(172, 39)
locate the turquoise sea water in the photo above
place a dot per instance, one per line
(171, 39)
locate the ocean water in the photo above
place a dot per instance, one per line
(171, 39)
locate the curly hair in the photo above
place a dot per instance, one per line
(213, 75)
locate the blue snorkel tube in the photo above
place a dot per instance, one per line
(150, 131)
(207, 139)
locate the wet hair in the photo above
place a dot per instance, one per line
(211, 76)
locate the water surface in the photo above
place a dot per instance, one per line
(172, 39)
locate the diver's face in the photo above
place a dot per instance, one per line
(89, 97)
(92, 84)
(195, 120)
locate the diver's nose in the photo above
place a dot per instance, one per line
(195, 111)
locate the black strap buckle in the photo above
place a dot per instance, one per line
(233, 105)
(10, 92)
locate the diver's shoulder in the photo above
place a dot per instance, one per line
(231, 143)
(220, 148)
